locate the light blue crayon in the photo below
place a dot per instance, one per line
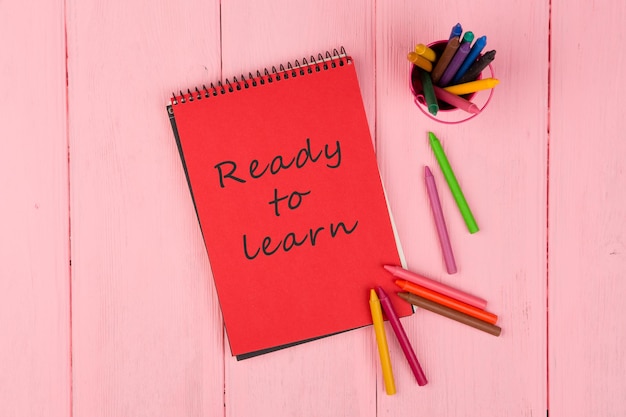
(479, 45)
(456, 31)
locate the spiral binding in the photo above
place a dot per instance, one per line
(321, 63)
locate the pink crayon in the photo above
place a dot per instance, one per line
(440, 222)
(399, 272)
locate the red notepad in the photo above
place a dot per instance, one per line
(290, 202)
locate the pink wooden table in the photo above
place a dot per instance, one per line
(107, 306)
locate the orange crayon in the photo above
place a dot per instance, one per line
(447, 301)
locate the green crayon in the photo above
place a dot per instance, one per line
(446, 169)
(429, 92)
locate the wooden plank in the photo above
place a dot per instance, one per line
(500, 161)
(587, 220)
(333, 376)
(147, 329)
(34, 220)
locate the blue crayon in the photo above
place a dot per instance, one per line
(456, 31)
(479, 45)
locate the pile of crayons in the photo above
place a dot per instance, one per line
(430, 295)
(426, 293)
(449, 71)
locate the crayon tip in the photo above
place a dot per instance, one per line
(431, 137)
(403, 295)
(390, 268)
(433, 109)
(400, 283)
(473, 109)
(427, 172)
(456, 30)
(373, 296)
(381, 293)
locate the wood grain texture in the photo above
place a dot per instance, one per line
(146, 323)
(34, 225)
(133, 327)
(500, 161)
(333, 376)
(587, 220)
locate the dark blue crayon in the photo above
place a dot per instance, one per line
(456, 31)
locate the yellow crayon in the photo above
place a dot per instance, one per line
(381, 340)
(420, 61)
(426, 52)
(472, 86)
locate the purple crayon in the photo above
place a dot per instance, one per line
(454, 64)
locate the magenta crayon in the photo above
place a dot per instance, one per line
(403, 340)
(454, 64)
(399, 272)
(440, 222)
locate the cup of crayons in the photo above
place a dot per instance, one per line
(452, 80)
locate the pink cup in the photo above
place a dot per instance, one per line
(449, 114)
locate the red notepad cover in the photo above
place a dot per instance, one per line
(291, 206)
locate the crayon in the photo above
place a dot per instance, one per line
(399, 272)
(447, 301)
(472, 86)
(425, 52)
(448, 53)
(477, 67)
(453, 184)
(477, 48)
(429, 93)
(420, 61)
(456, 31)
(456, 101)
(468, 37)
(450, 313)
(454, 64)
(381, 341)
(440, 222)
(403, 340)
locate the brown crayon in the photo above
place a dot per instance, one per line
(450, 313)
(441, 65)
